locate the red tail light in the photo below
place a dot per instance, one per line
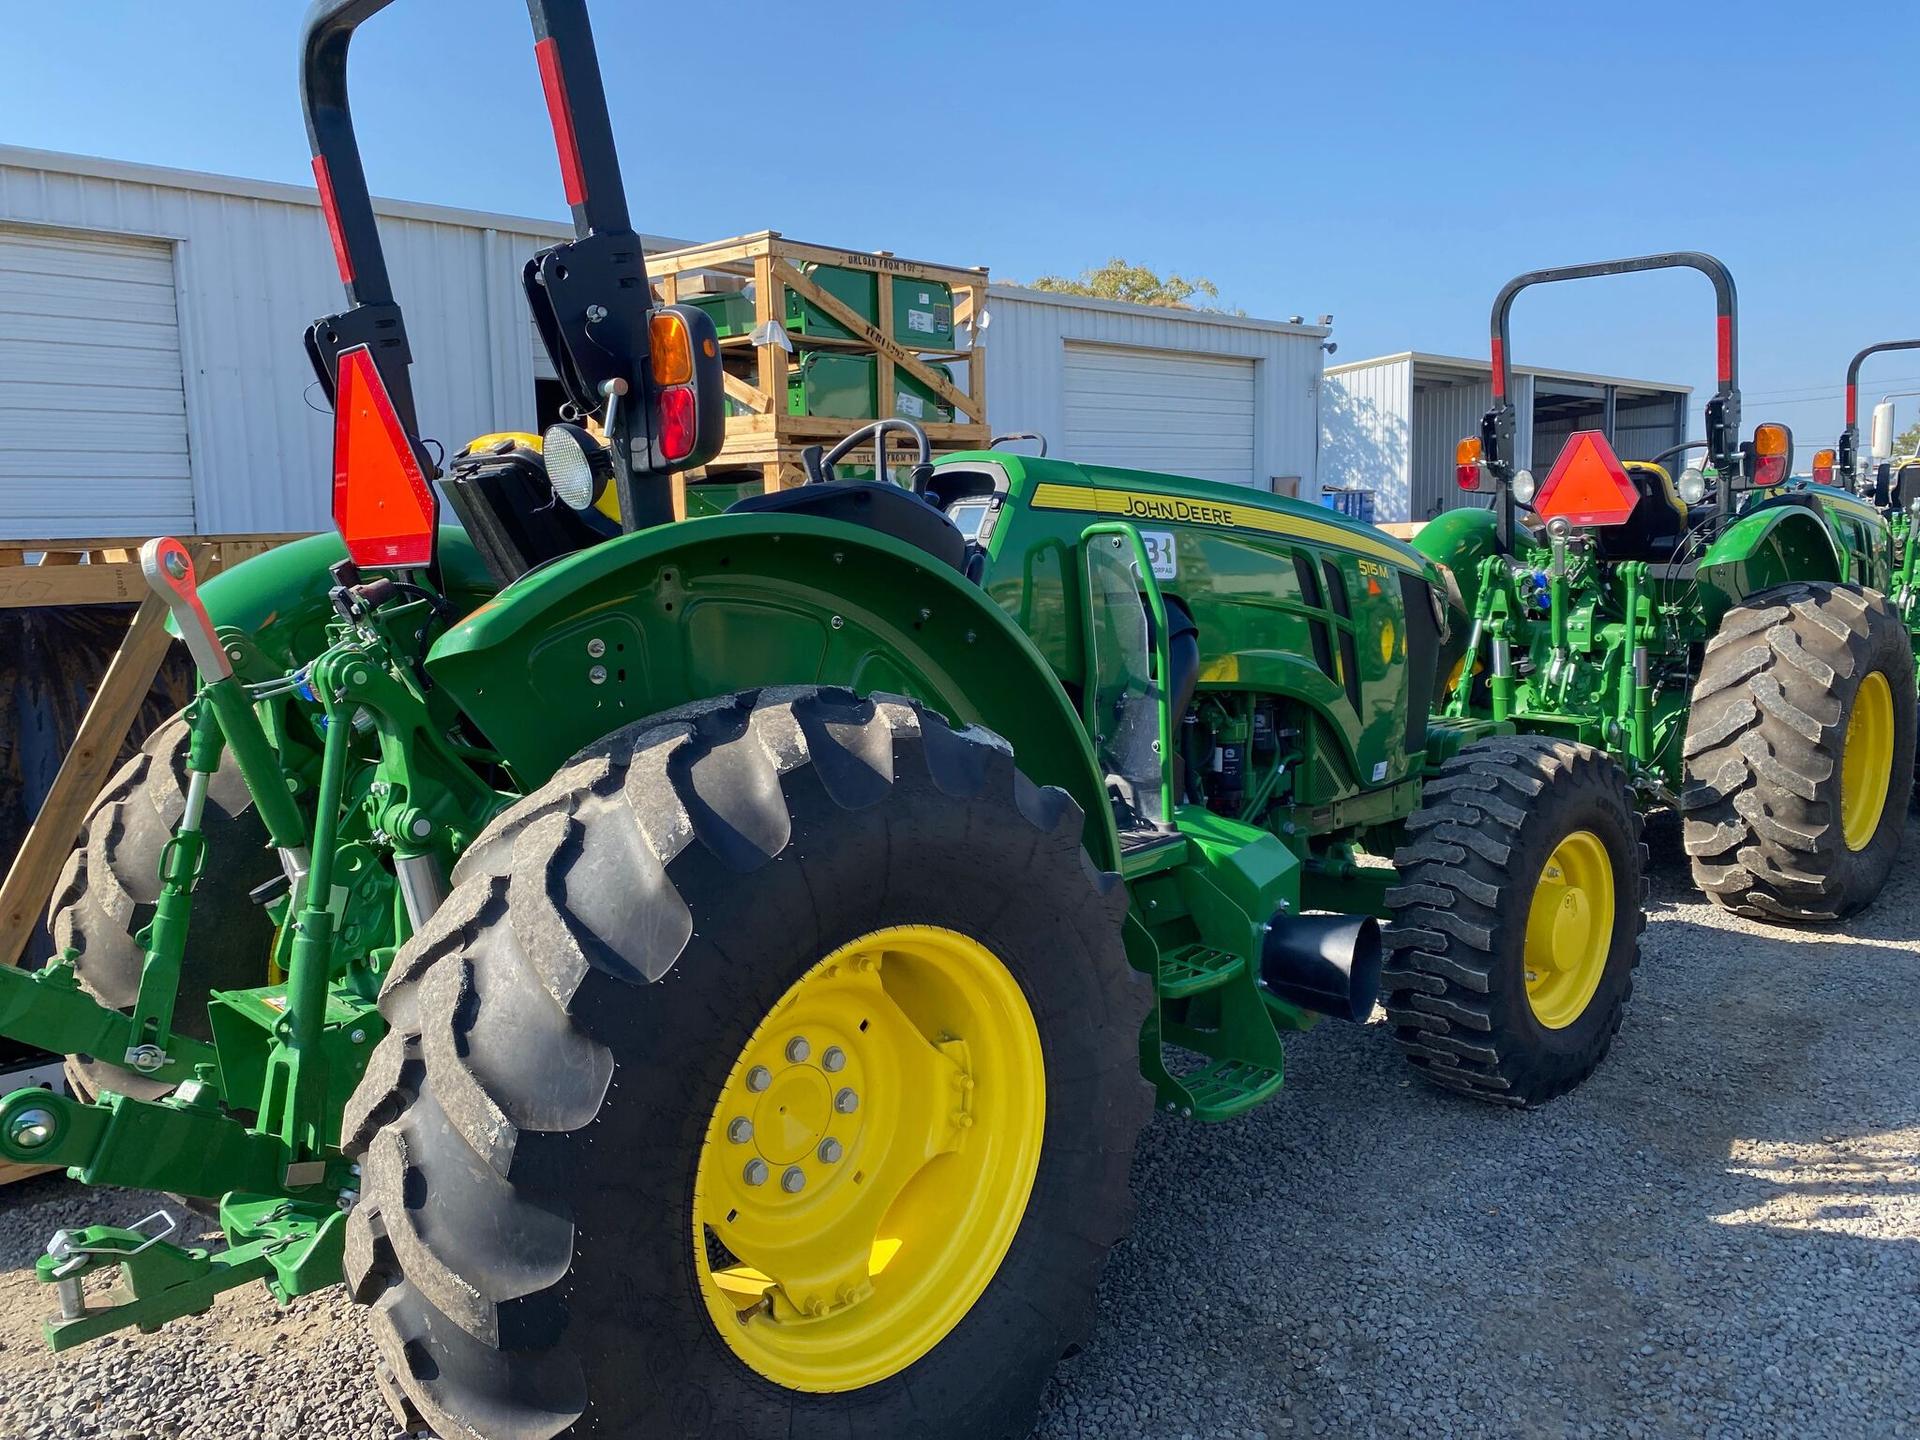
(1466, 463)
(383, 505)
(1823, 467)
(679, 424)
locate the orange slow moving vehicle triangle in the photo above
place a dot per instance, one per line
(382, 503)
(1588, 484)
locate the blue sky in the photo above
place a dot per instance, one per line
(1391, 163)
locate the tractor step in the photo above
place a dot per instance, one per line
(1190, 969)
(1227, 1088)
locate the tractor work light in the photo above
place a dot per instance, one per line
(1524, 487)
(1466, 463)
(578, 466)
(1772, 455)
(383, 505)
(1693, 485)
(1823, 467)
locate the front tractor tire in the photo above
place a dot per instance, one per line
(111, 882)
(1516, 926)
(1800, 753)
(772, 1071)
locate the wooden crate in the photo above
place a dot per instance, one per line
(766, 438)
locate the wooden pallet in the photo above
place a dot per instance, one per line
(766, 438)
(91, 571)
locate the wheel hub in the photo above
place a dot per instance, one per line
(1569, 929)
(869, 1158)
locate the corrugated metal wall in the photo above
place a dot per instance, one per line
(1026, 366)
(254, 268)
(1366, 437)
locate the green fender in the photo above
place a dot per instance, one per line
(1457, 541)
(1763, 548)
(279, 598)
(707, 607)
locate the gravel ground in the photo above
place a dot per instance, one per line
(1718, 1235)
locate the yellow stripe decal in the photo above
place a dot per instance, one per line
(1183, 510)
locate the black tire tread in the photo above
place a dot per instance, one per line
(1764, 737)
(446, 1102)
(1455, 897)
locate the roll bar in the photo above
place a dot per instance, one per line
(1723, 411)
(590, 297)
(1847, 452)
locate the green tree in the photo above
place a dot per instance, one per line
(1907, 442)
(1135, 284)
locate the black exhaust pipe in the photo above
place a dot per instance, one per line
(1329, 964)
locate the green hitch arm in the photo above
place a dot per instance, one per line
(295, 1248)
(1634, 707)
(1459, 704)
(47, 1008)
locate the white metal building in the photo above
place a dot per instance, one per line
(152, 376)
(1390, 424)
(1221, 397)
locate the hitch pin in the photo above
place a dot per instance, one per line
(69, 1286)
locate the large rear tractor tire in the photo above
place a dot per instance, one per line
(1800, 753)
(1516, 928)
(111, 883)
(771, 1072)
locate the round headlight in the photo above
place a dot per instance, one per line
(1523, 487)
(570, 453)
(1693, 485)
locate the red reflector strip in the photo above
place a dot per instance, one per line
(382, 504)
(1853, 405)
(1499, 379)
(560, 109)
(324, 180)
(1726, 348)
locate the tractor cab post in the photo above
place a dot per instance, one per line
(1846, 459)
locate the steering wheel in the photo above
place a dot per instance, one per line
(820, 467)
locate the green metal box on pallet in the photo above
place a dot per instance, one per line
(844, 387)
(732, 313)
(922, 309)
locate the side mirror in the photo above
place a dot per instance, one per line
(1881, 446)
(1769, 455)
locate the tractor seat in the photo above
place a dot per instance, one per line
(1658, 524)
(878, 506)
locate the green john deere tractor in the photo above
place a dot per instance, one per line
(1727, 640)
(710, 976)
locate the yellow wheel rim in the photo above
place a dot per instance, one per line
(1866, 762)
(1569, 929)
(869, 1159)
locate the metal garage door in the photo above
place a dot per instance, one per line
(1157, 410)
(93, 421)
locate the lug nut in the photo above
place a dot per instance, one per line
(756, 1172)
(758, 1078)
(829, 1151)
(794, 1181)
(846, 1102)
(740, 1130)
(835, 1060)
(798, 1049)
